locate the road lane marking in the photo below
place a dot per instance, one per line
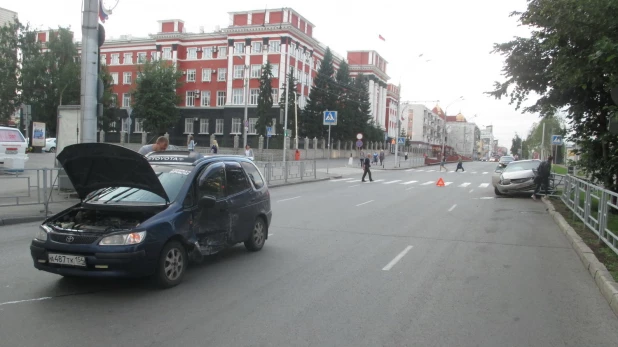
(409, 188)
(427, 183)
(485, 173)
(474, 172)
(410, 170)
(356, 185)
(391, 182)
(452, 208)
(342, 179)
(471, 190)
(409, 182)
(20, 301)
(366, 202)
(487, 198)
(431, 170)
(397, 259)
(447, 183)
(296, 197)
(463, 185)
(484, 185)
(378, 180)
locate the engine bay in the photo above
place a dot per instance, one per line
(98, 222)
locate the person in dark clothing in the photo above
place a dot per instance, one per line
(542, 176)
(460, 165)
(366, 169)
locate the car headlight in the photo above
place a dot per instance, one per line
(41, 235)
(124, 239)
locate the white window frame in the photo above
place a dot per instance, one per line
(222, 52)
(239, 72)
(166, 53)
(275, 70)
(236, 126)
(142, 57)
(190, 98)
(219, 124)
(126, 102)
(221, 74)
(205, 98)
(274, 46)
(191, 75)
(239, 48)
(221, 98)
(254, 95)
(153, 55)
(115, 59)
(206, 75)
(114, 78)
(256, 70)
(192, 53)
(238, 97)
(207, 52)
(275, 94)
(204, 125)
(127, 58)
(256, 47)
(252, 123)
(103, 59)
(139, 126)
(188, 125)
(127, 78)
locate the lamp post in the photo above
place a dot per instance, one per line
(245, 120)
(296, 120)
(444, 127)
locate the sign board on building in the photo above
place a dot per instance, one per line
(330, 118)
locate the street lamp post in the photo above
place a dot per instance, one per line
(444, 127)
(245, 120)
(296, 120)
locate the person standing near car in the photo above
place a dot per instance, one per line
(248, 152)
(191, 144)
(160, 145)
(366, 170)
(542, 176)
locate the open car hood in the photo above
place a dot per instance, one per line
(93, 166)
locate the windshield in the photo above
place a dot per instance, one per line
(522, 165)
(10, 135)
(171, 177)
(507, 159)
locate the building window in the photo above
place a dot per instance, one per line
(256, 70)
(167, 53)
(207, 53)
(128, 58)
(274, 46)
(239, 48)
(192, 53)
(256, 47)
(222, 52)
(206, 75)
(126, 78)
(112, 127)
(114, 77)
(237, 96)
(205, 98)
(114, 100)
(252, 122)
(221, 74)
(153, 56)
(139, 125)
(188, 125)
(126, 100)
(219, 126)
(141, 57)
(236, 126)
(239, 71)
(203, 126)
(191, 75)
(115, 59)
(125, 125)
(190, 100)
(103, 59)
(275, 70)
(275, 94)
(221, 96)
(254, 95)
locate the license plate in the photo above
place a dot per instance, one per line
(10, 152)
(63, 259)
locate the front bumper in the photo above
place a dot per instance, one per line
(512, 188)
(130, 264)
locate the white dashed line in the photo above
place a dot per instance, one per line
(484, 185)
(463, 185)
(378, 180)
(397, 259)
(20, 301)
(427, 183)
(409, 188)
(452, 208)
(356, 185)
(366, 202)
(341, 179)
(485, 173)
(447, 183)
(471, 190)
(391, 182)
(409, 182)
(296, 197)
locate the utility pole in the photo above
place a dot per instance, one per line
(287, 86)
(245, 120)
(89, 71)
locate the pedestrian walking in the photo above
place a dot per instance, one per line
(542, 176)
(460, 165)
(442, 164)
(362, 158)
(215, 147)
(375, 158)
(351, 160)
(191, 144)
(406, 155)
(366, 170)
(382, 158)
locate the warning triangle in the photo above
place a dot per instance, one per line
(440, 182)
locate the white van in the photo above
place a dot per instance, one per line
(12, 145)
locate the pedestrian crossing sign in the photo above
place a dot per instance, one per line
(330, 118)
(440, 182)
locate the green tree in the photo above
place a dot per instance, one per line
(9, 69)
(154, 98)
(293, 87)
(346, 107)
(569, 60)
(363, 121)
(323, 96)
(516, 145)
(110, 104)
(537, 141)
(265, 100)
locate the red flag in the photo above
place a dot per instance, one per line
(381, 38)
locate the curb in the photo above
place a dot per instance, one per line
(20, 220)
(598, 271)
(301, 182)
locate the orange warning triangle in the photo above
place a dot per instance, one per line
(440, 182)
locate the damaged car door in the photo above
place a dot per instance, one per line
(212, 221)
(240, 198)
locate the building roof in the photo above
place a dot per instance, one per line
(438, 110)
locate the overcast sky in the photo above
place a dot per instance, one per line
(455, 36)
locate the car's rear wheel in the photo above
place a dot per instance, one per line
(52, 150)
(258, 235)
(497, 191)
(172, 265)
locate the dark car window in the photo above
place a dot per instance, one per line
(236, 178)
(254, 175)
(212, 181)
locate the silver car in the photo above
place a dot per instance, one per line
(516, 177)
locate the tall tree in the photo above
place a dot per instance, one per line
(516, 145)
(9, 69)
(292, 105)
(569, 60)
(346, 105)
(265, 100)
(154, 98)
(110, 104)
(323, 96)
(537, 141)
(363, 120)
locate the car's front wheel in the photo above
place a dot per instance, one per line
(497, 191)
(172, 265)
(258, 235)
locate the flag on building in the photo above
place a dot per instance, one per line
(381, 37)
(102, 13)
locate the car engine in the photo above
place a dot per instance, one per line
(91, 221)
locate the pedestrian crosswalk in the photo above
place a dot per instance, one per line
(410, 183)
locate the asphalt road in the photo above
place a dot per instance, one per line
(347, 264)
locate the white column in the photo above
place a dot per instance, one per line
(372, 98)
(302, 85)
(282, 67)
(230, 74)
(383, 107)
(267, 17)
(249, 19)
(264, 55)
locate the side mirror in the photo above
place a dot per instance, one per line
(207, 201)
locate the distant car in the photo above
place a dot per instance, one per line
(13, 145)
(505, 159)
(516, 177)
(50, 145)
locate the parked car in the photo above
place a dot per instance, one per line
(13, 145)
(50, 145)
(505, 159)
(516, 177)
(148, 216)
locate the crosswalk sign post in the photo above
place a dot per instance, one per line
(330, 118)
(401, 140)
(269, 133)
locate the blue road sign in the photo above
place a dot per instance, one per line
(330, 117)
(556, 140)
(269, 131)
(359, 143)
(401, 140)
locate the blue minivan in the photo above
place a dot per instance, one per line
(150, 215)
